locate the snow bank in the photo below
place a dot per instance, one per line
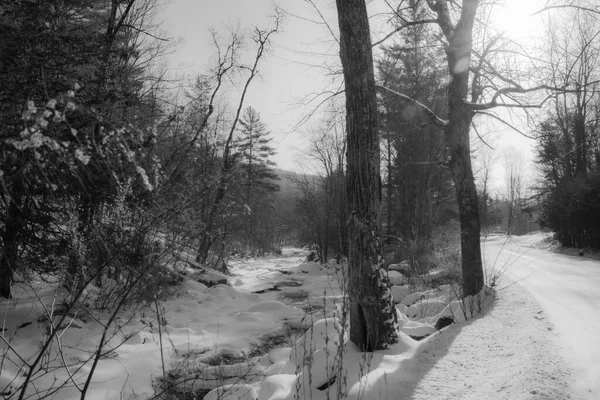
(356, 376)
(323, 335)
(425, 308)
(200, 323)
(461, 311)
(232, 392)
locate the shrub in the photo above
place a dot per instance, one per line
(572, 211)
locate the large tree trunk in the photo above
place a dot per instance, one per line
(457, 134)
(373, 320)
(466, 196)
(10, 239)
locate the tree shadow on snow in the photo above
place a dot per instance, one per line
(396, 373)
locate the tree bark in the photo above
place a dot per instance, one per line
(460, 116)
(10, 238)
(373, 320)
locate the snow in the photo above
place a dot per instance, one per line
(504, 355)
(412, 298)
(566, 288)
(232, 392)
(323, 335)
(502, 346)
(396, 278)
(400, 292)
(200, 322)
(426, 308)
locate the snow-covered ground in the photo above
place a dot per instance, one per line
(567, 288)
(198, 324)
(514, 349)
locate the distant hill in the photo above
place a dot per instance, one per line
(287, 185)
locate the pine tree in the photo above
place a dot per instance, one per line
(255, 149)
(417, 182)
(67, 68)
(258, 176)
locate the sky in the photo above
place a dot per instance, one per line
(288, 74)
(300, 61)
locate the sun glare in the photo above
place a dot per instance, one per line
(514, 18)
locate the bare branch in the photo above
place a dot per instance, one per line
(312, 3)
(480, 137)
(403, 26)
(330, 95)
(506, 123)
(145, 32)
(262, 41)
(430, 113)
(513, 90)
(582, 8)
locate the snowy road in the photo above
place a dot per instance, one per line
(568, 289)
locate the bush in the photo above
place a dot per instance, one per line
(445, 256)
(572, 211)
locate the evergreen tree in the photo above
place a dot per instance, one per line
(419, 188)
(67, 68)
(255, 149)
(258, 178)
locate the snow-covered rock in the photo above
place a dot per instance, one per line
(287, 283)
(403, 267)
(417, 329)
(412, 298)
(323, 335)
(402, 318)
(402, 308)
(311, 268)
(294, 293)
(270, 306)
(236, 391)
(463, 310)
(399, 292)
(292, 316)
(396, 278)
(321, 368)
(224, 291)
(276, 386)
(425, 308)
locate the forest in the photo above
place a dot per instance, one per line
(120, 182)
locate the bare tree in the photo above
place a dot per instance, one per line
(515, 165)
(476, 86)
(486, 157)
(207, 235)
(458, 43)
(574, 53)
(373, 320)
